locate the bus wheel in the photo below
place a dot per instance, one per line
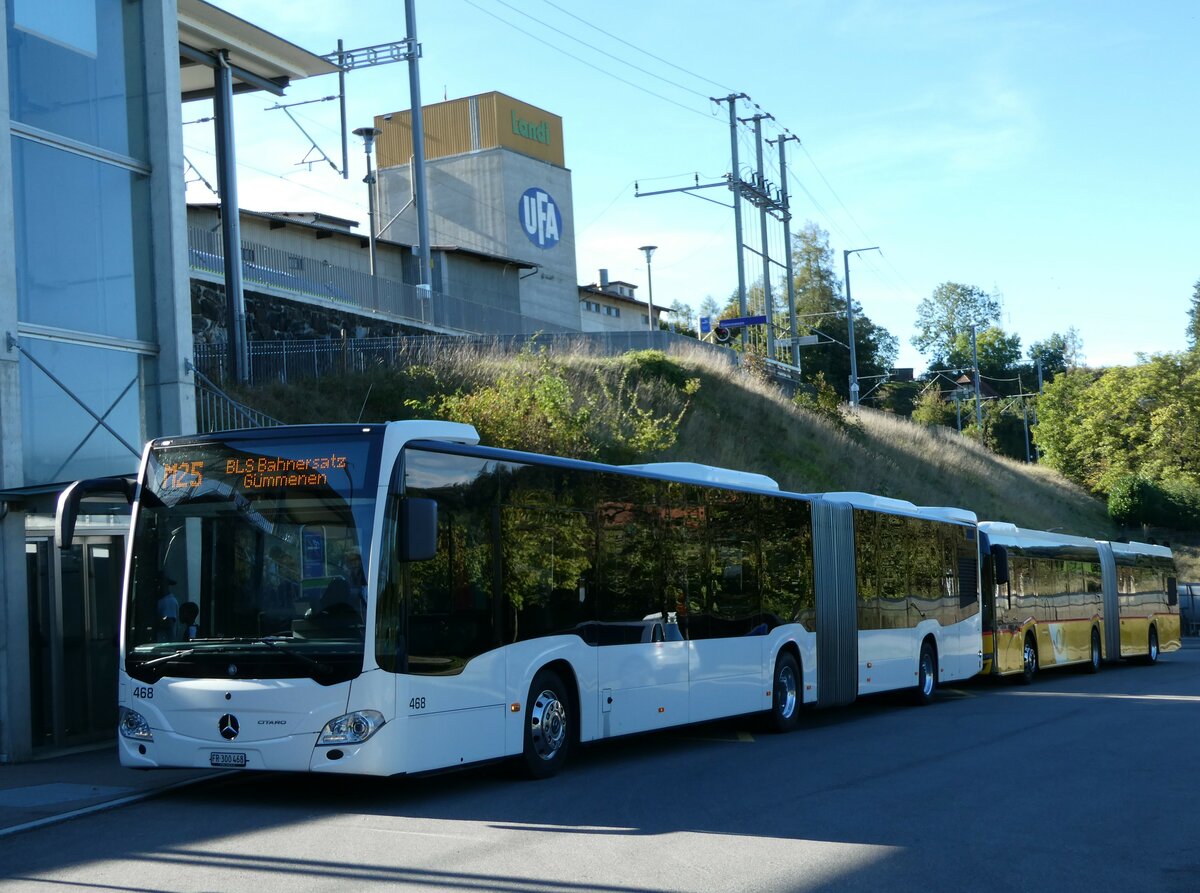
(1152, 650)
(1031, 660)
(547, 725)
(1094, 664)
(785, 703)
(926, 674)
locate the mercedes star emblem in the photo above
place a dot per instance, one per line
(228, 726)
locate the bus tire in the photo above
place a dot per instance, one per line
(1093, 664)
(786, 694)
(547, 726)
(926, 673)
(1152, 647)
(1030, 660)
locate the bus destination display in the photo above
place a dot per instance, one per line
(253, 473)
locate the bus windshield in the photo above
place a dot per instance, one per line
(248, 557)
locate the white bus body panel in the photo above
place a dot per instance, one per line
(726, 676)
(455, 719)
(278, 720)
(642, 686)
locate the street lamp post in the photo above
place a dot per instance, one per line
(649, 249)
(368, 135)
(850, 325)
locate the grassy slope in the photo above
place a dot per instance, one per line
(737, 422)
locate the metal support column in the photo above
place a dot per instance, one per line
(425, 276)
(231, 230)
(787, 241)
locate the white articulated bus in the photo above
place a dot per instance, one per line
(391, 598)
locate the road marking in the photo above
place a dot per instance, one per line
(1102, 695)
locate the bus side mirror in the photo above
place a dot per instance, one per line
(1000, 564)
(418, 529)
(67, 513)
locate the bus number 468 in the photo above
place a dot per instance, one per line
(416, 704)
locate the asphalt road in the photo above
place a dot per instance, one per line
(1076, 783)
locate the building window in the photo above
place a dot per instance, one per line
(295, 263)
(591, 306)
(612, 311)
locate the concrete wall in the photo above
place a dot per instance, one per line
(272, 318)
(475, 202)
(14, 604)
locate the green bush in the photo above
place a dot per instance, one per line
(1134, 500)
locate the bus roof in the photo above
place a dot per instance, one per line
(897, 506)
(694, 472)
(1140, 549)
(1004, 533)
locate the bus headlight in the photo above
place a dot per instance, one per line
(133, 725)
(353, 728)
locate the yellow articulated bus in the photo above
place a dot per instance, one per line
(1050, 599)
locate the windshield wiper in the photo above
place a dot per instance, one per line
(273, 641)
(166, 657)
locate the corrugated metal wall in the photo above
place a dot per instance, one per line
(467, 125)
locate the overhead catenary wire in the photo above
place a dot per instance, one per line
(639, 49)
(626, 81)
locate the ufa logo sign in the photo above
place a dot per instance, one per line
(540, 217)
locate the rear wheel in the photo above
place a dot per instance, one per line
(926, 673)
(1093, 665)
(1152, 650)
(547, 725)
(1030, 668)
(785, 703)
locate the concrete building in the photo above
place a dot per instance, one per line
(95, 315)
(307, 275)
(611, 306)
(497, 183)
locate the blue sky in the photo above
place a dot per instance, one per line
(1044, 151)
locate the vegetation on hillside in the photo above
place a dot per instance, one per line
(648, 406)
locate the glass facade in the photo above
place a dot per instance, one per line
(76, 69)
(62, 441)
(82, 232)
(80, 263)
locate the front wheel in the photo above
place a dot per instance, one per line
(1030, 667)
(1152, 650)
(1094, 663)
(785, 703)
(547, 726)
(926, 674)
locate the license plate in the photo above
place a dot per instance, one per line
(217, 758)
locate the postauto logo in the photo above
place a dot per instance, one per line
(540, 217)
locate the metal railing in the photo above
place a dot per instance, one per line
(283, 361)
(305, 277)
(217, 411)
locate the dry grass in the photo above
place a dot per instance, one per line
(732, 421)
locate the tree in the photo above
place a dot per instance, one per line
(931, 408)
(682, 319)
(951, 309)
(710, 308)
(1193, 330)
(998, 352)
(1057, 353)
(1142, 420)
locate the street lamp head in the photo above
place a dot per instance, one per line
(649, 249)
(368, 135)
